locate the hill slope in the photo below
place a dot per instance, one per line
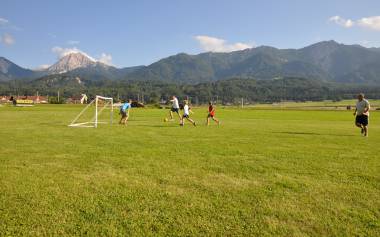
(10, 70)
(327, 61)
(324, 61)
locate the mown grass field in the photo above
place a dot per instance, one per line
(314, 105)
(261, 173)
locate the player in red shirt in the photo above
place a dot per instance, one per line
(211, 114)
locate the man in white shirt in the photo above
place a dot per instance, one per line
(362, 114)
(186, 114)
(175, 108)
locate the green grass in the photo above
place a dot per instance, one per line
(262, 173)
(320, 105)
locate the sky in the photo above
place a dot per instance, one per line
(35, 34)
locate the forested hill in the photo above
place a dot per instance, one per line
(226, 91)
(326, 61)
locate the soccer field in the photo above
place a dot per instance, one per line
(261, 173)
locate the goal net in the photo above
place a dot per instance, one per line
(98, 111)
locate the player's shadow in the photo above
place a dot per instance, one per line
(315, 134)
(155, 126)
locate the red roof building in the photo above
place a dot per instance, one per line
(36, 99)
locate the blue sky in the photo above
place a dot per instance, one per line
(136, 32)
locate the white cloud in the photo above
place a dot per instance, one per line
(62, 52)
(3, 21)
(106, 59)
(347, 23)
(72, 42)
(7, 39)
(365, 43)
(42, 67)
(213, 44)
(372, 23)
(6, 24)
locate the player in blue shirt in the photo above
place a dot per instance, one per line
(124, 112)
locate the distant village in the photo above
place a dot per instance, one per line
(38, 99)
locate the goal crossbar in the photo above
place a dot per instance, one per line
(104, 98)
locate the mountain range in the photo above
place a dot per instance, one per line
(326, 61)
(9, 71)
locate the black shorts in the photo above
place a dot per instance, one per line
(362, 119)
(123, 114)
(175, 110)
(185, 116)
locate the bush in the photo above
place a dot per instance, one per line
(54, 100)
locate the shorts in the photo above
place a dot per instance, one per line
(185, 116)
(210, 115)
(362, 119)
(123, 114)
(176, 110)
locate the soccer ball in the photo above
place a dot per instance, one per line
(166, 119)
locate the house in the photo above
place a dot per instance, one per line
(25, 99)
(36, 99)
(4, 99)
(74, 100)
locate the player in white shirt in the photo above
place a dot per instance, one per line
(362, 114)
(186, 114)
(175, 108)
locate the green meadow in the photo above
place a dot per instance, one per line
(263, 172)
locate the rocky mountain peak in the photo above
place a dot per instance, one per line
(70, 62)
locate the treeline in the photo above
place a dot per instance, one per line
(224, 91)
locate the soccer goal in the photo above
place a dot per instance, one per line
(98, 111)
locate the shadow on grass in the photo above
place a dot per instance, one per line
(315, 134)
(155, 126)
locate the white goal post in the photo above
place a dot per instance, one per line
(101, 104)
